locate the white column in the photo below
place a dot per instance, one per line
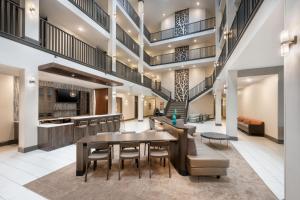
(218, 107)
(140, 107)
(32, 19)
(112, 43)
(141, 37)
(292, 103)
(231, 104)
(28, 109)
(112, 100)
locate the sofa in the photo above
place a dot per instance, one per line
(193, 158)
(251, 126)
(204, 161)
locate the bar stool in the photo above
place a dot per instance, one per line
(103, 125)
(93, 127)
(117, 123)
(110, 124)
(80, 130)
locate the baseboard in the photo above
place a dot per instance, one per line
(234, 138)
(274, 139)
(9, 142)
(140, 120)
(27, 149)
(129, 119)
(218, 124)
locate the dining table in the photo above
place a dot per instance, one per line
(114, 138)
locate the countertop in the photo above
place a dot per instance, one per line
(51, 125)
(79, 117)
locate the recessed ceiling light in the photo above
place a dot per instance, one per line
(164, 14)
(195, 40)
(198, 3)
(80, 29)
(128, 60)
(182, 66)
(169, 69)
(249, 80)
(129, 31)
(169, 46)
(194, 66)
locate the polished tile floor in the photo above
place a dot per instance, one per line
(17, 169)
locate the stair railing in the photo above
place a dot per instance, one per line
(202, 87)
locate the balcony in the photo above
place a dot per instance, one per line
(244, 15)
(184, 30)
(12, 19)
(193, 54)
(94, 11)
(223, 24)
(130, 11)
(126, 40)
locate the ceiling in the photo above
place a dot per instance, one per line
(246, 81)
(154, 9)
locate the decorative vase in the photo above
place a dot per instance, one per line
(174, 117)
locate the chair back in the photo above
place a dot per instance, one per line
(94, 122)
(160, 144)
(124, 145)
(97, 145)
(82, 123)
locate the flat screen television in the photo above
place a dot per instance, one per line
(63, 95)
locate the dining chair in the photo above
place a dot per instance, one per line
(129, 150)
(97, 152)
(93, 127)
(161, 150)
(80, 130)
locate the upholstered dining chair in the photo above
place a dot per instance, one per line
(96, 152)
(161, 150)
(129, 150)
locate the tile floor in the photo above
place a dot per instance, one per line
(17, 169)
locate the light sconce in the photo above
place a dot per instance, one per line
(32, 80)
(216, 64)
(286, 42)
(106, 97)
(32, 9)
(227, 34)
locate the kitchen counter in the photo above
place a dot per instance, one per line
(51, 125)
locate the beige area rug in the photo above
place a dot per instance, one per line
(241, 183)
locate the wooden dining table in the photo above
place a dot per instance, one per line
(115, 138)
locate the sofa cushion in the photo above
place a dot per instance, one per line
(192, 149)
(241, 118)
(256, 122)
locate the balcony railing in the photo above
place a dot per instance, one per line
(193, 54)
(222, 25)
(130, 11)
(125, 39)
(127, 73)
(186, 29)
(242, 19)
(94, 11)
(202, 87)
(147, 33)
(147, 58)
(12, 18)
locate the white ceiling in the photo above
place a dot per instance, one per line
(71, 23)
(247, 81)
(154, 9)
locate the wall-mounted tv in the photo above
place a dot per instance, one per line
(63, 95)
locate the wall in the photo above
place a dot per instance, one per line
(292, 106)
(6, 108)
(195, 14)
(260, 101)
(127, 105)
(203, 105)
(149, 105)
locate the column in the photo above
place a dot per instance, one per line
(218, 107)
(32, 20)
(141, 38)
(28, 109)
(112, 43)
(231, 104)
(291, 101)
(141, 107)
(112, 102)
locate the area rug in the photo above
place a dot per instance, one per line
(241, 183)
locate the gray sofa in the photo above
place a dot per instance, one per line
(204, 161)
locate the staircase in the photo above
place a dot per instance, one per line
(202, 88)
(181, 109)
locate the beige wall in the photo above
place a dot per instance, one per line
(149, 105)
(260, 101)
(128, 105)
(203, 105)
(6, 108)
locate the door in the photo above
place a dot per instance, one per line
(101, 101)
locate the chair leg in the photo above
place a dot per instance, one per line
(122, 164)
(169, 167)
(86, 171)
(108, 166)
(145, 148)
(139, 167)
(95, 165)
(149, 167)
(119, 168)
(137, 163)
(164, 162)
